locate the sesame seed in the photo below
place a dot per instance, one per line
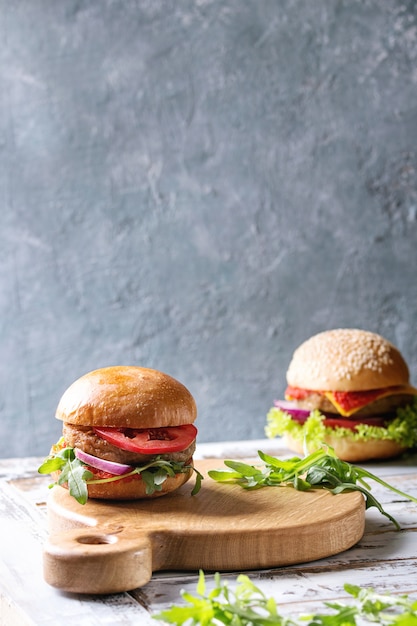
(347, 351)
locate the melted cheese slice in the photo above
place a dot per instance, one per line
(349, 402)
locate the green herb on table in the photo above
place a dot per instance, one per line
(247, 605)
(321, 469)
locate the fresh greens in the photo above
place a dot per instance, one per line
(321, 468)
(247, 605)
(75, 474)
(72, 472)
(402, 429)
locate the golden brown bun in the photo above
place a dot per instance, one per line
(353, 451)
(128, 397)
(132, 488)
(347, 359)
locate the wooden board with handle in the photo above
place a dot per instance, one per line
(107, 547)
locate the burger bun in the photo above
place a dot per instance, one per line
(127, 397)
(347, 359)
(133, 487)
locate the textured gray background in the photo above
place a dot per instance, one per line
(198, 186)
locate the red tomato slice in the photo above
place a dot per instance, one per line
(150, 440)
(295, 393)
(333, 422)
(100, 474)
(350, 401)
(347, 402)
(349, 423)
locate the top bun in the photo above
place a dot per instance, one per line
(347, 360)
(127, 397)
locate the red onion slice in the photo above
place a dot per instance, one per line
(101, 464)
(330, 419)
(292, 409)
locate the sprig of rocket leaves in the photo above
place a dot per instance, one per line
(320, 469)
(75, 473)
(247, 605)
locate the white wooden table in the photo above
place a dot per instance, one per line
(385, 558)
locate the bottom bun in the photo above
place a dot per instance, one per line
(132, 488)
(353, 451)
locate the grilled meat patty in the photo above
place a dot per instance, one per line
(84, 437)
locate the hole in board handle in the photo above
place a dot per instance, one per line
(97, 539)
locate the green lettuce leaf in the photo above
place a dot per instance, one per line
(402, 429)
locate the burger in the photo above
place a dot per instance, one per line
(349, 389)
(128, 433)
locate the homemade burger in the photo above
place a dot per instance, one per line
(350, 389)
(128, 433)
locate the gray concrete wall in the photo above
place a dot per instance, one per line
(198, 186)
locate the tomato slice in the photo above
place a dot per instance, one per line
(150, 440)
(333, 422)
(349, 423)
(296, 393)
(348, 402)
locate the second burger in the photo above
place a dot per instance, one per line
(350, 389)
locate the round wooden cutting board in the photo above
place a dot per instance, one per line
(107, 547)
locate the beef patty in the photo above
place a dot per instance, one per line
(84, 437)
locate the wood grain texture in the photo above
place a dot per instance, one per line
(104, 547)
(384, 558)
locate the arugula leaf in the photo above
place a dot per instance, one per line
(321, 468)
(75, 473)
(51, 464)
(247, 605)
(198, 479)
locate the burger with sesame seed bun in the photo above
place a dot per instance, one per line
(349, 389)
